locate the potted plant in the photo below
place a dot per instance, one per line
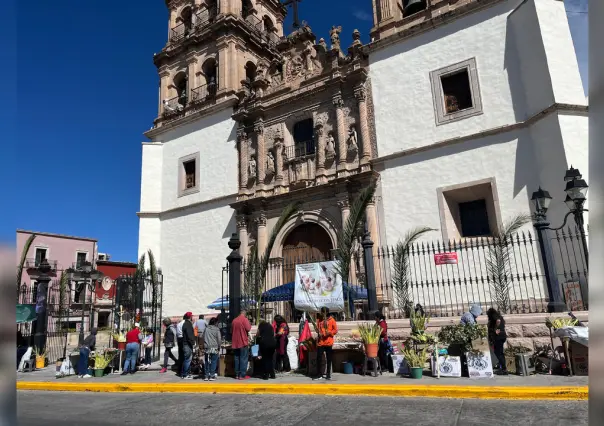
(120, 339)
(459, 337)
(416, 361)
(40, 358)
(101, 362)
(418, 323)
(370, 336)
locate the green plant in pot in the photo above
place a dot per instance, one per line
(461, 335)
(370, 336)
(415, 361)
(101, 362)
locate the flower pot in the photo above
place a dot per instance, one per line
(417, 372)
(371, 350)
(121, 345)
(99, 372)
(40, 362)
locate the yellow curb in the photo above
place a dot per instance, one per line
(429, 391)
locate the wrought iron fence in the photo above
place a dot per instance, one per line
(35, 262)
(205, 92)
(174, 106)
(571, 266)
(205, 17)
(300, 149)
(138, 299)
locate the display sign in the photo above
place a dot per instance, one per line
(445, 258)
(480, 365)
(449, 366)
(318, 285)
(400, 365)
(572, 295)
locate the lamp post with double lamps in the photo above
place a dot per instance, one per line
(89, 275)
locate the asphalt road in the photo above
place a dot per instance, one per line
(92, 409)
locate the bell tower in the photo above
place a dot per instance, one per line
(213, 46)
(387, 15)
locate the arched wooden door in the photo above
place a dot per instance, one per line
(306, 243)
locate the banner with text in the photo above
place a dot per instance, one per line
(318, 285)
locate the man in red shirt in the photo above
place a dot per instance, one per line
(133, 338)
(240, 327)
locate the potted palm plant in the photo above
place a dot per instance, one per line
(370, 336)
(40, 358)
(120, 339)
(416, 361)
(101, 362)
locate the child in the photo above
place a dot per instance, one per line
(148, 345)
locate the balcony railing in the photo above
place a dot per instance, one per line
(271, 38)
(202, 19)
(175, 105)
(253, 22)
(204, 93)
(34, 263)
(300, 149)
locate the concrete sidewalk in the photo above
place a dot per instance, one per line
(508, 387)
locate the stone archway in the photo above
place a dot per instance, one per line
(306, 243)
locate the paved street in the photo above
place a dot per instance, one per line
(77, 409)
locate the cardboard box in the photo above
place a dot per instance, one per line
(480, 365)
(449, 366)
(579, 356)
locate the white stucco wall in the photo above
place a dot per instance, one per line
(151, 181)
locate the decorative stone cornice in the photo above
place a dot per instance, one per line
(343, 203)
(260, 219)
(241, 221)
(360, 93)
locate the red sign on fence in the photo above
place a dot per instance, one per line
(445, 258)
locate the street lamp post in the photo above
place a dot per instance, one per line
(576, 189)
(43, 279)
(84, 273)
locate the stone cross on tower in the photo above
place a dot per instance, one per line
(294, 5)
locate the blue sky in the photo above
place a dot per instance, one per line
(86, 91)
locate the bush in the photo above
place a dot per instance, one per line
(461, 334)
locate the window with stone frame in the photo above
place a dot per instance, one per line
(188, 174)
(304, 138)
(40, 255)
(456, 92)
(474, 218)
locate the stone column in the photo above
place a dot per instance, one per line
(320, 134)
(361, 94)
(279, 163)
(243, 236)
(344, 205)
(164, 81)
(260, 150)
(372, 225)
(243, 158)
(338, 103)
(262, 235)
(191, 62)
(222, 65)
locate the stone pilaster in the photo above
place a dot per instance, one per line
(372, 224)
(260, 150)
(338, 103)
(262, 234)
(344, 205)
(361, 94)
(320, 135)
(243, 158)
(243, 236)
(192, 71)
(164, 82)
(279, 164)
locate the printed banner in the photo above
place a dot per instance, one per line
(318, 285)
(572, 295)
(445, 258)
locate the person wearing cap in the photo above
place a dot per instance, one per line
(188, 342)
(471, 316)
(133, 339)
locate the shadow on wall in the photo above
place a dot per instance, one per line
(207, 121)
(202, 208)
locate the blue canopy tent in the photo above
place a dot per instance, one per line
(223, 303)
(285, 293)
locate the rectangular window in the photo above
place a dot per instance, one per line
(189, 167)
(80, 259)
(474, 219)
(304, 141)
(457, 92)
(40, 255)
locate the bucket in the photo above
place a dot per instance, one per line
(417, 372)
(371, 349)
(99, 372)
(347, 367)
(40, 362)
(121, 346)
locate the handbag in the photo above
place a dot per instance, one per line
(255, 350)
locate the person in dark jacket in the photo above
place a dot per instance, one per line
(87, 346)
(281, 335)
(265, 338)
(497, 337)
(212, 341)
(188, 342)
(169, 343)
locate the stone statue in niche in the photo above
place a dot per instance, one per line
(330, 147)
(353, 146)
(322, 43)
(270, 163)
(251, 168)
(334, 34)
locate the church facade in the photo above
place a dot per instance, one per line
(448, 104)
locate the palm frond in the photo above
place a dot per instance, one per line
(62, 295)
(153, 274)
(24, 252)
(400, 278)
(351, 231)
(140, 269)
(499, 259)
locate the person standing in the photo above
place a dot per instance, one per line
(380, 320)
(497, 337)
(200, 326)
(147, 343)
(240, 327)
(281, 335)
(87, 346)
(471, 317)
(212, 342)
(188, 342)
(169, 338)
(133, 338)
(328, 328)
(181, 355)
(265, 338)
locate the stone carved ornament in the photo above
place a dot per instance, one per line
(334, 35)
(270, 164)
(330, 146)
(353, 146)
(251, 167)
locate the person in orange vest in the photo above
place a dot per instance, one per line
(328, 328)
